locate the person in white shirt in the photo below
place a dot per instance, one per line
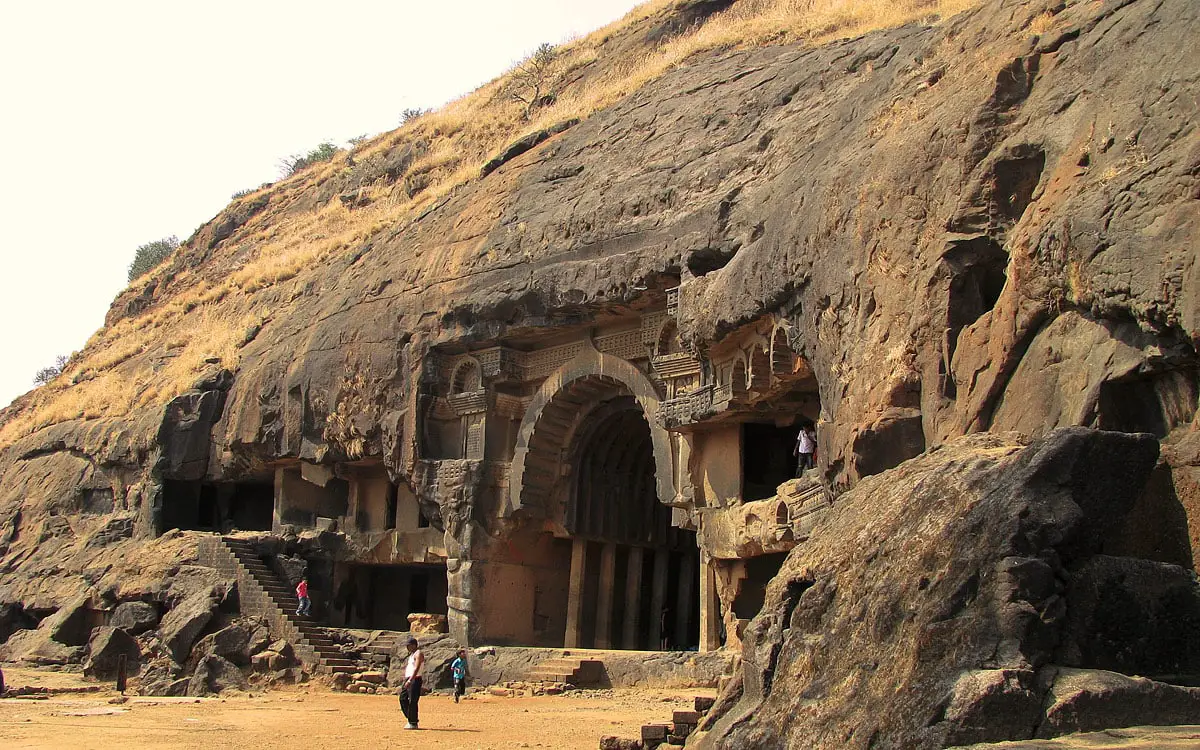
(410, 689)
(806, 448)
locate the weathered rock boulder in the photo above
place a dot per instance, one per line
(58, 639)
(1132, 616)
(105, 649)
(928, 608)
(185, 621)
(1087, 700)
(190, 580)
(134, 617)
(215, 675)
(423, 623)
(231, 643)
(13, 617)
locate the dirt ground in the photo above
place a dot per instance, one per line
(313, 718)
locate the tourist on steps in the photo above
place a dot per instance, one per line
(458, 669)
(410, 689)
(806, 447)
(302, 594)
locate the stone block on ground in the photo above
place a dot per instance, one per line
(655, 732)
(261, 662)
(439, 651)
(619, 743)
(105, 649)
(423, 623)
(686, 717)
(702, 703)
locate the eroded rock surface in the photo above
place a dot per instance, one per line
(931, 605)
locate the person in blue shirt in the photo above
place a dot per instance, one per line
(458, 670)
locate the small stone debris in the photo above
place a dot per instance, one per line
(683, 723)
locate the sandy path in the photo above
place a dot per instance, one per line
(313, 719)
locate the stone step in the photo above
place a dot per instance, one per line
(333, 662)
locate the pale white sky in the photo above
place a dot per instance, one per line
(127, 121)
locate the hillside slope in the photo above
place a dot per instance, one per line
(983, 224)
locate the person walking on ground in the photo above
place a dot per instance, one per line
(302, 594)
(806, 447)
(410, 689)
(458, 669)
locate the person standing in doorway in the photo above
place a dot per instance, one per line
(305, 607)
(458, 670)
(410, 689)
(806, 448)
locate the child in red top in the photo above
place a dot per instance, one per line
(302, 594)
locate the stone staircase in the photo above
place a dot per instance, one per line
(261, 592)
(568, 670)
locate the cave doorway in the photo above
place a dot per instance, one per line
(381, 597)
(768, 458)
(217, 506)
(752, 589)
(634, 575)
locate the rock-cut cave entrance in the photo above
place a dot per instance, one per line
(217, 506)
(623, 577)
(381, 597)
(634, 576)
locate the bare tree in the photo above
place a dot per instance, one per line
(530, 83)
(46, 374)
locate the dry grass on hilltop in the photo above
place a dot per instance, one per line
(145, 360)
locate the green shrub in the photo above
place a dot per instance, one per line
(411, 114)
(294, 163)
(148, 256)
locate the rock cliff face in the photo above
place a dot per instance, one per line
(960, 598)
(984, 225)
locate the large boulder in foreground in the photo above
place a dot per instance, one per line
(135, 617)
(215, 675)
(231, 643)
(184, 623)
(937, 604)
(105, 649)
(58, 639)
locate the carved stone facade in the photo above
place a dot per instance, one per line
(601, 486)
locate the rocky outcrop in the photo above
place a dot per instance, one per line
(980, 224)
(1088, 700)
(58, 639)
(215, 675)
(182, 625)
(938, 603)
(230, 643)
(106, 647)
(134, 617)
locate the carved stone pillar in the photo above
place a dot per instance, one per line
(633, 600)
(575, 593)
(604, 603)
(710, 608)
